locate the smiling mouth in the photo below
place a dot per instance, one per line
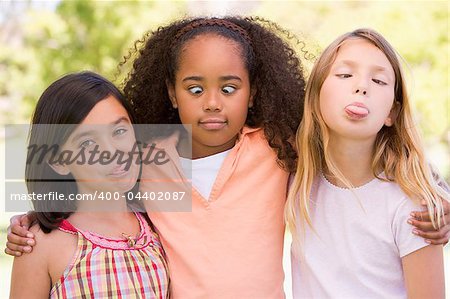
(213, 124)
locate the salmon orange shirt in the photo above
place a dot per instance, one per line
(229, 246)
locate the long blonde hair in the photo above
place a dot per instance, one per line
(397, 150)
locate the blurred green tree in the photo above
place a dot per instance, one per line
(75, 35)
(39, 45)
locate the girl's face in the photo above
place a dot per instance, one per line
(357, 96)
(107, 129)
(212, 92)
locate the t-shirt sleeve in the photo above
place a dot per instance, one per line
(405, 240)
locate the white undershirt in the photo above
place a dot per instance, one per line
(204, 171)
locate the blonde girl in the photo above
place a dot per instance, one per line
(361, 172)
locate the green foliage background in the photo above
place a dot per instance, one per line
(43, 40)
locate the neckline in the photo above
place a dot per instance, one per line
(207, 158)
(141, 240)
(361, 187)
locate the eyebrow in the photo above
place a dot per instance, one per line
(221, 78)
(89, 132)
(352, 63)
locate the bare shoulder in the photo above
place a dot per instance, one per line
(59, 247)
(34, 274)
(48, 242)
(46, 247)
(54, 239)
(30, 276)
(39, 250)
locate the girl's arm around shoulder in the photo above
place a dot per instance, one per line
(424, 272)
(30, 276)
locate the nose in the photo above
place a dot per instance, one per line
(361, 91)
(212, 102)
(108, 148)
(361, 87)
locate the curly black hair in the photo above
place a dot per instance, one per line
(275, 72)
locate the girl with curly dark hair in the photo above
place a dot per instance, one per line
(241, 87)
(274, 71)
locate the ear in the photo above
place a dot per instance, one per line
(59, 168)
(252, 97)
(171, 92)
(390, 120)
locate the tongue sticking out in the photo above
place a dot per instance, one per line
(355, 111)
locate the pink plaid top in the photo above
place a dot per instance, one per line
(110, 268)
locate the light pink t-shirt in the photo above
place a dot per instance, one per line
(231, 245)
(357, 251)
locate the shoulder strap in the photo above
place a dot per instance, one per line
(65, 226)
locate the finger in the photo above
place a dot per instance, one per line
(18, 248)
(422, 225)
(441, 241)
(18, 240)
(21, 231)
(25, 221)
(433, 235)
(421, 215)
(15, 220)
(425, 217)
(428, 225)
(12, 253)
